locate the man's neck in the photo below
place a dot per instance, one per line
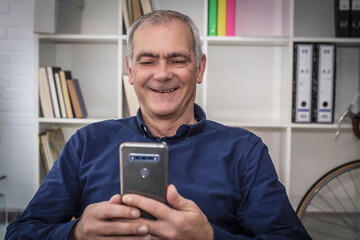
(166, 126)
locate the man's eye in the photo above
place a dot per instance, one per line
(146, 62)
(178, 61)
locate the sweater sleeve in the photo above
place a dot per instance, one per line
(265, 211)
(49, 213)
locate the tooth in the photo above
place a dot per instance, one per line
(166, 91)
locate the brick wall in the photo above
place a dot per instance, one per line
(16, 101)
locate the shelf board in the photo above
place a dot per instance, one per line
(338, 41)
(319, 126)
(79, 38)
(279, 124)
(81, 121)
(248, 41)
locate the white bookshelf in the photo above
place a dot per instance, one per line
(248, 81)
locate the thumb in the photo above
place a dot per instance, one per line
(115, 199)
(176, 200)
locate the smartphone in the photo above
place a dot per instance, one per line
(144, 170)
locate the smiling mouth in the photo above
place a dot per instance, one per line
(164, 91)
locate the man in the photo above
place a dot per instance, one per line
(222, 184)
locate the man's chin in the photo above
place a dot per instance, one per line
(164, 111)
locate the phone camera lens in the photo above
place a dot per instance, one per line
(144, 172)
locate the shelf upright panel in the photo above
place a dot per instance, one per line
(36, 154)
(120, 57)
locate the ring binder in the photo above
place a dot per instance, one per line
(342, 18)
(302, 83)
(355, 18)
(324, 87)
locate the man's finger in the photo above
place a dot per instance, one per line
(115, 199)
(115, 228)
(114, 211)
(176, 200)
(151, 206)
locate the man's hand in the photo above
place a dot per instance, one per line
(110, 218)
(184, 221)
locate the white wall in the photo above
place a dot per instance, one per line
(16, 101)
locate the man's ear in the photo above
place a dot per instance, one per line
(201, 69)
(129, 70)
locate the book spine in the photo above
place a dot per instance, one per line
(221, 18)
(74, 99)
(44, 94)
(60, 95)
(68, 108)
(212, 18)
(53, 93)
(230, 18)
(80, 97)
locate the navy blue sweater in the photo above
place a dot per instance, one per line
(226, 171)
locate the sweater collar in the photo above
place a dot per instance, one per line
(183, 132)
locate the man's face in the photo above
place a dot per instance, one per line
(164, 72)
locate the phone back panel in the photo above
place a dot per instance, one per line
(144, 169)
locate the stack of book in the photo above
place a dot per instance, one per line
(132, 9)
(51, 144)
(221, 18)
(60, 94)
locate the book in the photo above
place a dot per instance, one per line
(65, 91)
(230, 17)
(136, 9)
(42, 154)
(130, 12)
(51, 144)
(44, 94)
(212, 18)
(221, 18)
(53, 92)
(75, 99)
(126, 16)
(131, 99)
(60, 95)
(80, 97)
(45, 152)
(145, 6)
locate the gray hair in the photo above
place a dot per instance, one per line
(162, 17)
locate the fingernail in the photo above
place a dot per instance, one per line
(135, 213)
(143, 229)
(147, 237)
(175, 191)
(127, 199)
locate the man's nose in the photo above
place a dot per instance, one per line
(163, 71)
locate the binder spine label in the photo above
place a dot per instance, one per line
(355, 5)
(326, 84)
(303, 83)
(344, 5)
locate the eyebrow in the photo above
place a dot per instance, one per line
(146, 54)
(168, 56)
(179, 54)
